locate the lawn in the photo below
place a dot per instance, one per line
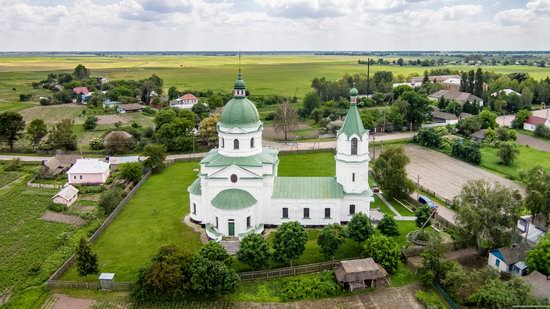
(307, 164)
(527, 159)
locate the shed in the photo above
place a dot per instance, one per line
(361, 273)
(478, 136)
(130, 108)
(66, 196)
(107, 281)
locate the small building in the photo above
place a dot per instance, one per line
(506, 92)
(67, 196)
(509, 259)
(443, 117)
(107, 281)
(533, 122)
(436, 79)
(452, 84)
(116, 161)
(411, 84)
(81, 91)
(540, 285)
(361, 273)
(60, 163)
(88, 171)
(111, 104)
(478, 136)
(531, 230)
(130, 108)
(460, 97)
(186, 101)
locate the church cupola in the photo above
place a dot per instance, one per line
(353, 95)
(239, 88)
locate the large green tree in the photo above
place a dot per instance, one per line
(254, 251)
(390, 173)
(210, 278)
(331, 238)
(419, 108)
(131, 171)
(508, 152)
(538, 258)
(360, 227)
(384, 251)
(388, 226)
(487, 214)
(215, 252)
(86, 260)
(156, 154)
(36, 130)
(81, 72)
(503, 294)
(311, 102)
(290, 240)
(62, 136)
(11, 127)
(538, 192)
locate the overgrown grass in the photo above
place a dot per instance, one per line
(527, 159)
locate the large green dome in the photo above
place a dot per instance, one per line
(239, 112)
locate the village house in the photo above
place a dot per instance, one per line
(460, 97)
(60, 163)
(533, 122)
(443, 117)
(129, 108)
(88, 171)
(436, 79)
(506, 92)
(111, 104)
(452, 84)
(66, 196)
(509, 259)
(186, 101)
(81, 90)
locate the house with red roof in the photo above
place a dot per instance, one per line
(81, 90)
(185, 101)
(534, 121)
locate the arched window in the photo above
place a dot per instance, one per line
(354, 146)
(222, 142)
(235, 144)
(252, 143)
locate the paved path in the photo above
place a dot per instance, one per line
(533, 142)
(446, 175)
(398, 216)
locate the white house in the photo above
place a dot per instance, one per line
(509, 259)
(88, 171)
(533, 122)
(185, 101)
(66, 196)
(452, 83)
(505, 91)
(238, 190)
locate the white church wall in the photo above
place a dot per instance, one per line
(296, 211)
(239, 216)
(197, 201)
(345, 173)
(244, 144)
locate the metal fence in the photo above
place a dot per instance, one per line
(288, 271)
(100, 230)
(446, 296)
(116, 286)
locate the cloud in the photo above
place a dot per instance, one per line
(305, 8)
(458, 12)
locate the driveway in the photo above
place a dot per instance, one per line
(533, 142)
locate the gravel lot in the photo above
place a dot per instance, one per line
(445, 175)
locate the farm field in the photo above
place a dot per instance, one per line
(527, 159)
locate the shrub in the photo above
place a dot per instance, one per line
(215, 252)
(466, 151)
(25, 97)
(149, 111)
(388, 226)
(96, 143)
(254, 251)
(270, 116)
(422, 214)
(109, 200)
(542, 131)
(430, 299)
(322, 285)
(131, 171)
(428, 138)
(383, 251)
(57, 207)
(90, 123)
(508, 152)
(360, 227)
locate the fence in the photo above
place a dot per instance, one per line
(32, 184)
(445, 296)
(117, 286)
(53, 279)
(288, 271)
(433, 193)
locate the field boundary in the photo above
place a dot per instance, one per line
(53, 280)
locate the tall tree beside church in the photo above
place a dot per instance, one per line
(478, 86)
(11, 127)
(285, 118)
(290, 241)
(390, 173)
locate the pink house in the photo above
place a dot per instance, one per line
(81, 90)
(185, 101)
(88, 171)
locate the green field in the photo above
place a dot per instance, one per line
(280, 74)
(527, 159)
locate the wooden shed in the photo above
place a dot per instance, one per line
(361, 273)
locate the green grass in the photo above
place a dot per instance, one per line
(32, 297)
(378, 203)
(400, 208)
(527, 159)
(307, 164)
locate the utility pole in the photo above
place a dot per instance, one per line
(368, 76)
(418, 187)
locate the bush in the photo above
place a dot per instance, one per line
(109, 200)
(270, 116)
(508, 152)
(90, 123)
(57, 207)
(25, 97)
(131, 171)
(96, 143)
(542, 131)
(428, 138)
(320, 286)
(430, 299)
(466, 151)
(388, 226)
(149, 111)
(13, 165)
(383, 251)
(423, 214)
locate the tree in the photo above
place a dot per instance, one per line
(215, 252)
(400, 62)
(384, 251)
(163, 117)
(11, 127)
(383, 81)
(542, 131)
(90, 123)
(254, 251)
(36, 130)
(478, 84)
(487, 214)
(86, 260)
(131, 171)
(215, 101)
(311, 102)
(527, 96)
(388, 226)
(454, 108)
(331, 238)
(173, 93)
(61, 136)
(428, 137)
(488, 119)
(419, 108)
(500, 294)
(538, 192)
(360, 227)
(508, 152)
(390, 173)
(538, 258)
(109, 200)
(81, 72)
(469, 125)
(467, 151)
(208, 128)
(118, 142)
(211, 278)
(285, 118)
(290, 240)
(423, 214)
(521, 117)
(156, 154)
(200, 109)
(431, 259)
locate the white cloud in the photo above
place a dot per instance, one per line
(457, 12)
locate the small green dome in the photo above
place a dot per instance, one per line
(353, 92)
(239, 83)
(239, 111)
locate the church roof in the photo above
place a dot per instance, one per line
(195, 187)
(307, 188)
(267, 156)
(232, 199)
(352, 124)
(239, 111)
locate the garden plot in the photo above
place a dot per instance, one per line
(62, 218)
(111, 119)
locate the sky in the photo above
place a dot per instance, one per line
(273, 25)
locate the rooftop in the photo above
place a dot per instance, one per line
(67, 193)
(353, 123)
(458, 96)
(188, 96)
(536, 120)
(267, 156)
(307, 188)
(515, 253)
(195, 187)
(89, 166)
(232, 199)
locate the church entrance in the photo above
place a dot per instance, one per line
(231, 227)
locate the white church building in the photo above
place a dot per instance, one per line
(238, 190)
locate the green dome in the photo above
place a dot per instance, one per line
(353, 92)
(239, 112)
(239, 83)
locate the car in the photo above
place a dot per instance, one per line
(424, 200)
(375, 188)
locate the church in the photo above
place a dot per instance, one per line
(238, 191)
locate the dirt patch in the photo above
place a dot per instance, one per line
(62, 218)
(533, 142)
(305, 132)
(110, 119)
(446, 175)
(63, 301)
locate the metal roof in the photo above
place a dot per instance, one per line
(352, 124)
(267, 156)
(195, 187)
(307, 188)
(231, 199)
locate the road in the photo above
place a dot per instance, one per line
(288, 146)
(533, 142)
(507, 120)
